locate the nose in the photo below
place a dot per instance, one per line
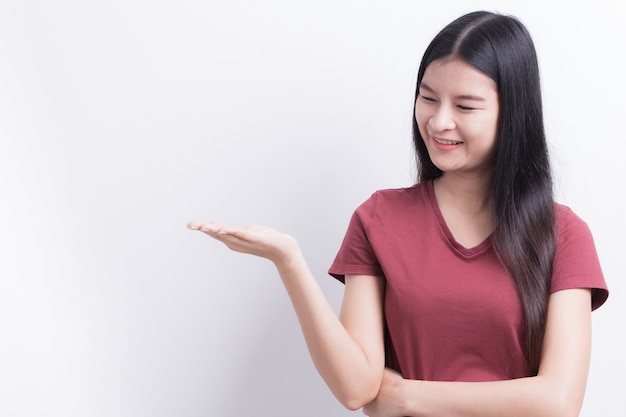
(442, 119)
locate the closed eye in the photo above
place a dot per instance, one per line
(466, 108)
(427, 99)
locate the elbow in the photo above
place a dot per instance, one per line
(354, 404)
(356, 399)
(351, 405)
(564, 404)
(564, 410)
(566, 407)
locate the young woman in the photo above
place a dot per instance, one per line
(469, 293)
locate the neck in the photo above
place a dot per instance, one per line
(470, 193)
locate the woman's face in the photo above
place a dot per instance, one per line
(457, 112)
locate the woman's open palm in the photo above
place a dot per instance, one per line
(255, 240)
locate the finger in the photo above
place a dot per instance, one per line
(206, 227)
(194, 225)
(241, 232)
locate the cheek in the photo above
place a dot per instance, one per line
(421, 118)
(494, 121)
(492, 131)
(485, 127)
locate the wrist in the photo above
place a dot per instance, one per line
(410, 392)
(289, 259)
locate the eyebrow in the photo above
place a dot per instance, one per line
(461, 97)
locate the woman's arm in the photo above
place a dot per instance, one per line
(557, 390)
(348, 352)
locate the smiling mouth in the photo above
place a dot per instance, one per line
(446, 142)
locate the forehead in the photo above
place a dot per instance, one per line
(455, 76)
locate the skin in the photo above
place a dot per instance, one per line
(458, 105)
(348, 350)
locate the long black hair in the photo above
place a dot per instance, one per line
(524, 238)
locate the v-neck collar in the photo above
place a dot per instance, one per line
(456, 246)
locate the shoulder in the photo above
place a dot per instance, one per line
(572, 232)
(569, 225)
(576, 263)
(394, 207)
(395, 198)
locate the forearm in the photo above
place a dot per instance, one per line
(533, 396)
(558, 390)
(352, 376)
(348, 353)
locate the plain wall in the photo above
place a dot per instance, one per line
(120, 121)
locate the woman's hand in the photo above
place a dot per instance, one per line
(389, 401)
(251, 239)
(349, 351)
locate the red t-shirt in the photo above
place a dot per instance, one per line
(452, 313)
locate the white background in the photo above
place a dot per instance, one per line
(121, 120)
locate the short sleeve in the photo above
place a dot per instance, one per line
(356, 255)
(576, 263)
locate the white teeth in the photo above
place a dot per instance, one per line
(447, 142)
